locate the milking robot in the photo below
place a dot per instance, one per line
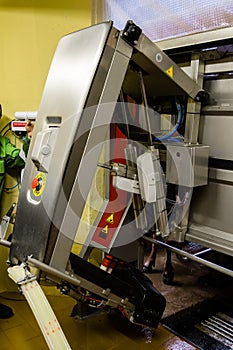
(122, 145)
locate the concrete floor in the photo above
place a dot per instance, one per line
(192, 283)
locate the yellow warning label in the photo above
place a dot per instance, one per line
(169, 71)
(110, 219)
(105, 229)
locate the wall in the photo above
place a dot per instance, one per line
(29, 34)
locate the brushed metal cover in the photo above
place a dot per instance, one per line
(68, 83)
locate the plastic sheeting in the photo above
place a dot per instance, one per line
(161, 19)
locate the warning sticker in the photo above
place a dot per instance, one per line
(104, 232)
(105, 229)
(110, 219)
(169, 71)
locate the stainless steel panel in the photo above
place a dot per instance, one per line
(217, 132)
(216, 67)
(194, 107)
(206, 236)
(210, 221)
(196, 39)
(66, 90)
(220, 90)
(216, 123)
(187, 165)
(90, 157)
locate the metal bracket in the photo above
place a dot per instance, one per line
(131, 32)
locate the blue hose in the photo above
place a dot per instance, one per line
(172, 132)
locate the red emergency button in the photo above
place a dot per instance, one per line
(36, 183)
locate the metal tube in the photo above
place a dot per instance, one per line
(124, 113)
(191, 257)
(5, 243)
(203, 252)
(144, 101)
(53, 271)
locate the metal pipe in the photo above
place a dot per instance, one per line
(53, 271)
(145, 104)
(124, 113)
(191, 257)
(5, 243)
(203, 252)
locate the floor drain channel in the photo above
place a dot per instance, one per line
(218, 327)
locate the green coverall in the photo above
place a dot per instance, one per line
(10, 158)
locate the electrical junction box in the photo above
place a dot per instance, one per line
(187, 165)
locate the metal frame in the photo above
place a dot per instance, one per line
(191, 256)
(109, 96)
(198, 39)
(213, 231)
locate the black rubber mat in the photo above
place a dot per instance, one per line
(193, 324)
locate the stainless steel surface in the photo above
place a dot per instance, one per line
(209, 37)
(216, 132)
(208, 236)
(210, 221)
(210, 217)
(194, 107)
(99, 127)
(66, 90)
(217, 119)
(224, 65)
(220, 90)
(192, 122)
(187, 165)
(162, 76)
